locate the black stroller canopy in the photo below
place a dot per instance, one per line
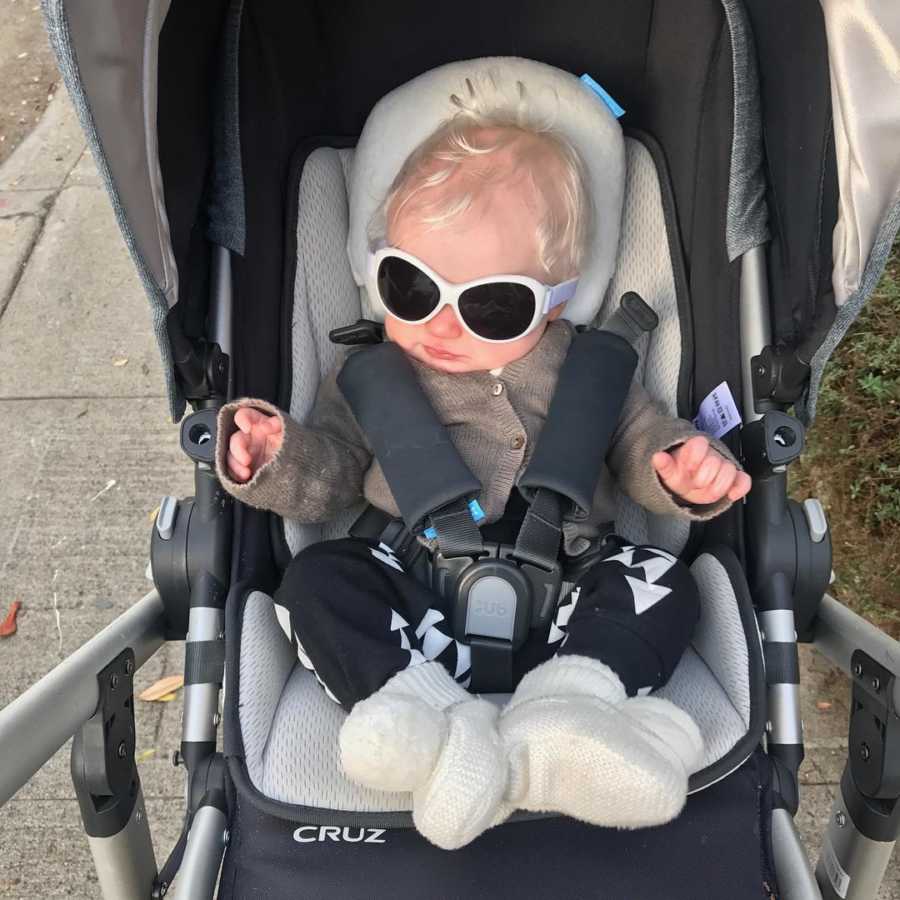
(242, 84)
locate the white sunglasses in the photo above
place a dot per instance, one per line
(498, 309)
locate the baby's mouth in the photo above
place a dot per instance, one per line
(438, 353)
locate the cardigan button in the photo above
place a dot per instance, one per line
(518, 442)
(497, 389)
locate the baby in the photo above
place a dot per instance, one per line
(490, 196)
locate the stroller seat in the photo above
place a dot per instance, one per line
(289, 727)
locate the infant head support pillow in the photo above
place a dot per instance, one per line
(548, 97)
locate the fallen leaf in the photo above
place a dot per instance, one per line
(120, 361)
(162, 689)
(144, 755)
(168, 698)
(823, 705)
(8, 625)
(153, 515)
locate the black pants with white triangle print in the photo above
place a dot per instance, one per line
(356, 618)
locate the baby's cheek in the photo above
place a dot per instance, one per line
(400, 332)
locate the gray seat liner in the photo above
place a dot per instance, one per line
(290, 727)
(288, 724)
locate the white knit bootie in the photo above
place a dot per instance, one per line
(576, 745)
(391, 741)
(464, 794)
(422, 732)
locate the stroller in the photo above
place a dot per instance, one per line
(761, 200)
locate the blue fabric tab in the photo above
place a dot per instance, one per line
(614, 107)
(477, 515)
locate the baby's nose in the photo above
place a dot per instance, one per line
(445, 324)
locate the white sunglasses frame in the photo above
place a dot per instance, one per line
(547, 297)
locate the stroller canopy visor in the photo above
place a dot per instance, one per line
(193, 112)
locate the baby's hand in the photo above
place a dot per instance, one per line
(698, 474)
(256, 441)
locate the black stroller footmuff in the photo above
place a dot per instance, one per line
(726, 826)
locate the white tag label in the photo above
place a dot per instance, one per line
(839, 879)
(718, 412)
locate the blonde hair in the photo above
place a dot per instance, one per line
(493, 117)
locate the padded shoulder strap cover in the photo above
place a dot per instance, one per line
(422, 467)
(593, 383)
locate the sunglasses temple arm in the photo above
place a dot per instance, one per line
(560, 294)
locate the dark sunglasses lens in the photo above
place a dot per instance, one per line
(406, 290)
(499, 312)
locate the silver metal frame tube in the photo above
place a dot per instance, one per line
(837, 632)
(125, 862)
(851, 866)
(777, 625)
(795, 875)
(201, 701)
(784, 714)
(221, 329)
(36, 724)
(196, 879)
(756, 328)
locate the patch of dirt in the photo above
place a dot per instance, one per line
(852, 462)
(28, 73)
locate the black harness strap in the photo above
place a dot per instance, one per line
(422, 467)
(541, 532)
(586, 407)
(492, 665)
(457, 533)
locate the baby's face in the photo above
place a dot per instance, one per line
(495, 238)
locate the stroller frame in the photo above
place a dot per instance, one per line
(70, 699)
(89, 695)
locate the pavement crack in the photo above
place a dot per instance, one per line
(17, 278)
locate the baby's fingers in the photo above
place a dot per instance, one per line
(710, 469)
(692, 453)
(238, 447)
(722, 482)
(237, 471)
(740, 486)
(246, 418)
(272, 425)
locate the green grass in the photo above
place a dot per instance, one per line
(852, 463)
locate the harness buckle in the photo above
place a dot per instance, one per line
(545, 586)
(496, 600)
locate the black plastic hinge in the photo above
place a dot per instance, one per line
(779, 374)
(874, 729)
(102, 763)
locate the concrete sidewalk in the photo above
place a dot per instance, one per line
(88, 452)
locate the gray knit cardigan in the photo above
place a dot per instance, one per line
(325, 465)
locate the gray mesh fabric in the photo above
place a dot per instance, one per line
(266, 661)
(325, 297)
(645, 266)
(302, 764)
(295, 759)
(719, 637)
